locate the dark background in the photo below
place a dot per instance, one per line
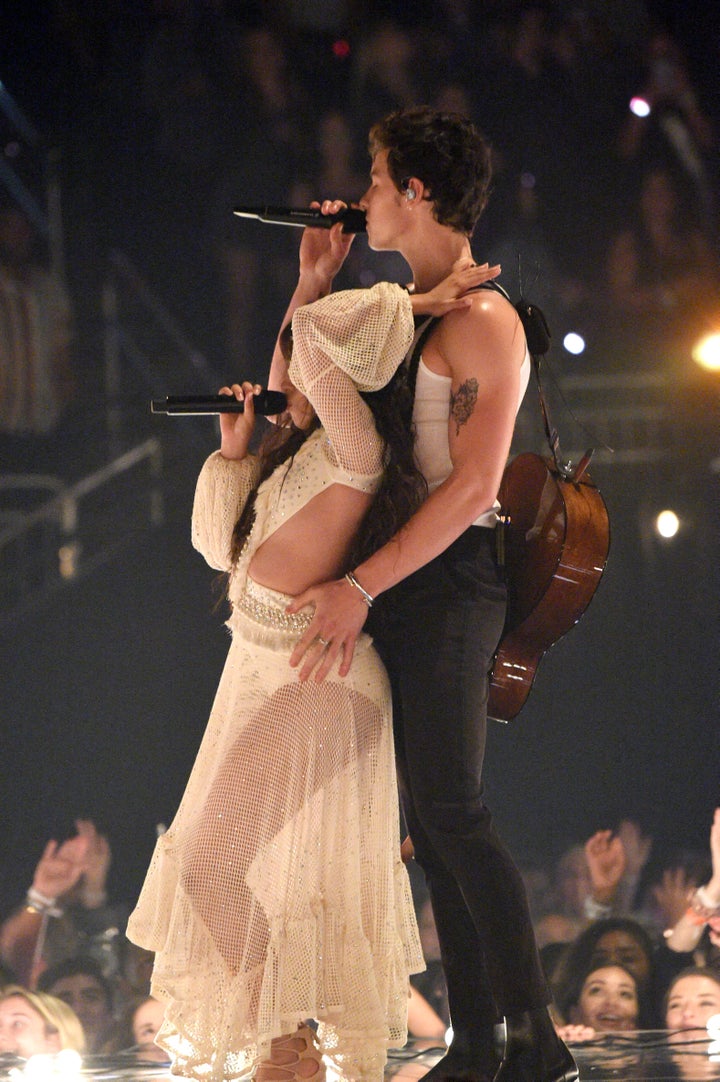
(105, 687)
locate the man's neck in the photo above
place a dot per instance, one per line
(433, 260)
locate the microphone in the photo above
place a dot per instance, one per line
(353, 220)
(266, 403)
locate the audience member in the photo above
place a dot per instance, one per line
(695, 936)
(607, 942)
(692, 998)
(136, 965)
(267, 155)
(530, 267)
(66, 911)
(385, 73)
(615, 861)
(605, 999)
(80, 983)
(674, 128)
(34, 1023)
(140, 1021)
(662, 275)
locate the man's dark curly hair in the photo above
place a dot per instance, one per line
(443, 150)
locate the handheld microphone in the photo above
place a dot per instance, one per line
(266, 403)
(353, 220)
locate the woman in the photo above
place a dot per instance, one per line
(278, 893)
(611, 941)
(607, 1001)
(692, 998)
(35, 1023)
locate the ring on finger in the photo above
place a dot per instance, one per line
(325, 642)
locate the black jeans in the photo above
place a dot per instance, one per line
(437, 632)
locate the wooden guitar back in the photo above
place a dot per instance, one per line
(556, 541)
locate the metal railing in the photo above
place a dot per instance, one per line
(67, 536)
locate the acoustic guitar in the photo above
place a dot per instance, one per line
(555, 533)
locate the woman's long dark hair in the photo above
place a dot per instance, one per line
(402, 488)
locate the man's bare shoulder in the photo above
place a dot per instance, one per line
(489, 330)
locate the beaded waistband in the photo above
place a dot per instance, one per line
(267, 607)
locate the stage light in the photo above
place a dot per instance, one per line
(341, 49)
(667, 524)
(706, 352)
(574, 343)
(640, 107)
(68, 557)
(63, 1066)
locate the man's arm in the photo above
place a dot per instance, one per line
(483, 348)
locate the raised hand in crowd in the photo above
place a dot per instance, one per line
(671, 895)
(615, 860)
(68, 890)
(606, 858)
(97, 864)
(59, 869)
(703, 909)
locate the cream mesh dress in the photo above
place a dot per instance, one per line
(278, 893)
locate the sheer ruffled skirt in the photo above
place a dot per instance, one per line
(278, 893)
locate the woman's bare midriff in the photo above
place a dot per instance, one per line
(313, 545)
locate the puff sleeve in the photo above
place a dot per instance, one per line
(222, 488)
(347, 342)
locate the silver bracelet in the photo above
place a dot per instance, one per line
(367, 598)
(40, 903)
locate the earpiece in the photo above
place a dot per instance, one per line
(405, 187)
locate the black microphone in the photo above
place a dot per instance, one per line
(353, 220)
(266, 403)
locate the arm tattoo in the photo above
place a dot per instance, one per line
(462, 403)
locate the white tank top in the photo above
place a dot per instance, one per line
(431, 413)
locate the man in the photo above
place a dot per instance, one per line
(438, 602)
(79, 982)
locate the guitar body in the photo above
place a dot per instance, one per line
(556, 541)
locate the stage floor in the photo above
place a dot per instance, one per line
(648, 1056)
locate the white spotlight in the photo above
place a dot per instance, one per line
(640, 107)
(574, 343)
(667, 524)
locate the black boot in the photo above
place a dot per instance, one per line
(534, 1052)
(464, 1062)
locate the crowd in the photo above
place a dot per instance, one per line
(170, 116)
(630, 940)
(284, 119)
